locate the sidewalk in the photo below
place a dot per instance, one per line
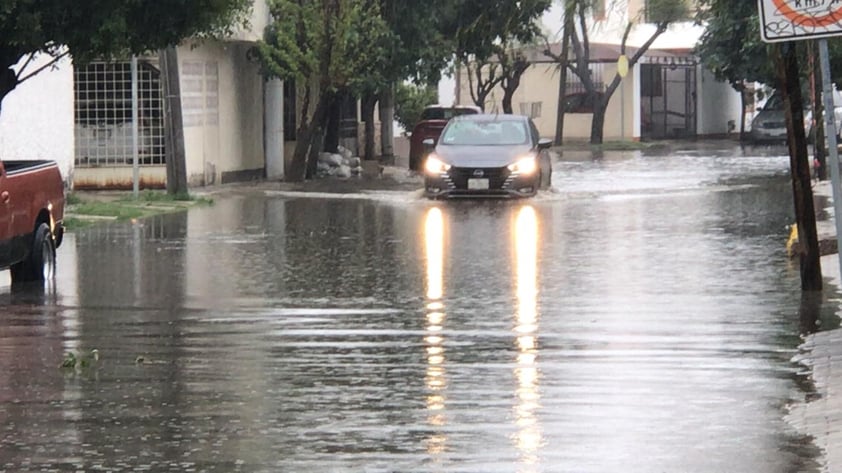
(821, 415)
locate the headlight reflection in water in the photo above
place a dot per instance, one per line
(435, 379)
(528, 438)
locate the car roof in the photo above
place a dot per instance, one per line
(490, 117)
(453, 107)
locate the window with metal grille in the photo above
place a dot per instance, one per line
(103, 114)
(575, 85)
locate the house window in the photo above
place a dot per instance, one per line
(575, 85)
(103, 114)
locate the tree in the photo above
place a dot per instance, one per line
(487, 36)
(661, 13)
(419, 50)
(410, 100)
(328, 46)
(91, 30)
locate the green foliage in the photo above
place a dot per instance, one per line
(104, 28)
(731, 46)
(94, 29)
(668, 11)
(339, 43)
(482, 25)
(410, 101)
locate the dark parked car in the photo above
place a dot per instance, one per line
(488, 156)
(432, 122)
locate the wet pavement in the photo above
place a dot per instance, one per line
(641, 317)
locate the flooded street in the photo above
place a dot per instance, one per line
(642, 317)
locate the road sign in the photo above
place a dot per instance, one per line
(789, 20)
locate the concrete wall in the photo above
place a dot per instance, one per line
(718, 103)
(222, 101)
(36, 121)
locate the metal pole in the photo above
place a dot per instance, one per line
(135, 151)
(833, 155)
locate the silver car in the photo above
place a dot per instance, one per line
(769, 125)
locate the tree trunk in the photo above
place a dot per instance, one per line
(598, 123)
(331, 134)
(307, 139)
(507, 101)
(387, 128)
(368, 104)
(562, 79)
(789, 84)
(174, 127)
(317, 142)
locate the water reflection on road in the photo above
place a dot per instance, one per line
(641, 318)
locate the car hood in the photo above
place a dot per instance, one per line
(481, 156)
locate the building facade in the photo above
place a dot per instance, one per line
(81, 116)
(667, 95)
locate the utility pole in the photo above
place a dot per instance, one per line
(174, 129)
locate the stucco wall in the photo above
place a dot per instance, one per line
(37, 117)
(222, 100)
(540, 85)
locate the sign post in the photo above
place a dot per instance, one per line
(792, 20)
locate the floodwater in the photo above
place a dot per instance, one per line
(642, 317)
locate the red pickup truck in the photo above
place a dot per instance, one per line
(31, 215)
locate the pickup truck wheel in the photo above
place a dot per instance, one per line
(40, 265)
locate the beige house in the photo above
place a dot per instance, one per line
(668, 94)
(233, 118)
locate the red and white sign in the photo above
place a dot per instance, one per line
(790, 20)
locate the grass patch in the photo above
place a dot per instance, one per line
(157, 196)
(83, 211)
(623, 146)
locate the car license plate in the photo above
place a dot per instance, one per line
(477, 184)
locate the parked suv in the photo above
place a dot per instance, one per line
(433, 120)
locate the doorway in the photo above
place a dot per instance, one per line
(668, 101)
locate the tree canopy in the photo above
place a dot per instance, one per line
(103, 28)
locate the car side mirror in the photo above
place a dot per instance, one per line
(545, 143)
(429, 144)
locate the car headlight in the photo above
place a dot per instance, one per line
(434, 165)
(526, 165)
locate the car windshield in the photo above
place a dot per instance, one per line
(774, 103)
(490, 132)
(444, 113)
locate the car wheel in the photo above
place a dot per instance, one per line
(40, 265)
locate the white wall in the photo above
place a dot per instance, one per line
(718, 103)
(222, 103)
(36, 121)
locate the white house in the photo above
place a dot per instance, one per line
(81, 116)
(668, 94)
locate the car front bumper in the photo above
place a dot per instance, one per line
(480, 182)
